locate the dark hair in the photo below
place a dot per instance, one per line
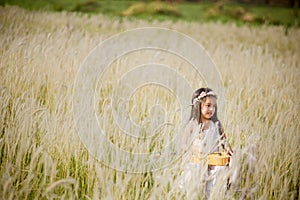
(196, 110)
(196, 106)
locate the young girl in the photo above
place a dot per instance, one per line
(206, 135)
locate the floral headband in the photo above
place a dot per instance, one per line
(202, 95)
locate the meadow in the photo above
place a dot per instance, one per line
(42, 156)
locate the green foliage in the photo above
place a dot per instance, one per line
(159, 10)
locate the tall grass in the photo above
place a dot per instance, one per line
(43, 157)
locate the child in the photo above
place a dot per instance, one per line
(206, 135)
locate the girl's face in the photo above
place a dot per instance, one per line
(208, 107)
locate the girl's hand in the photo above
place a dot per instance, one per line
(229, 151)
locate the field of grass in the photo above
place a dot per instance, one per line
(42, 156)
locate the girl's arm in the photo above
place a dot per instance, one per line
(224, 142)
(228, 148)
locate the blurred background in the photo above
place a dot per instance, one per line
(275, 12)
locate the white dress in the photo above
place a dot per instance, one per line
(203, 142)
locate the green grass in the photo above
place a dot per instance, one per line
(277, 15)
(196, 12)
(93, 6)
(283, 15)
